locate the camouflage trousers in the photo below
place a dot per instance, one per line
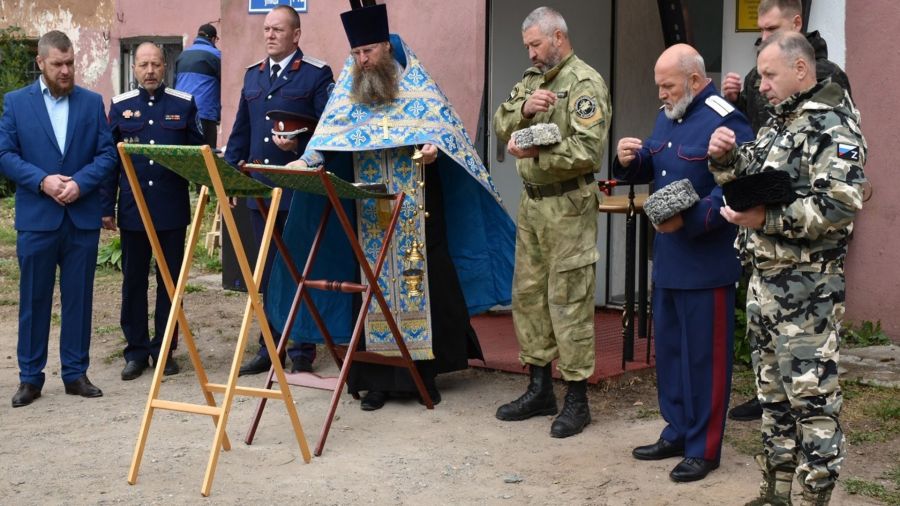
(553, 284)
(793, 319)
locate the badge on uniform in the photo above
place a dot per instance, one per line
(585, 107)
(127, 113)
(173, 117)
(137, 114)
(848, 151)
(562, 94)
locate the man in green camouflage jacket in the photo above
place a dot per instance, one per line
(556, 252)
(795, 300)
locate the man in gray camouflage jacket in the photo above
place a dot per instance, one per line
(795, 300)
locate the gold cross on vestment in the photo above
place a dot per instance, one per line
(384, 127)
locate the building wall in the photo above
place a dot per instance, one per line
(873, 64)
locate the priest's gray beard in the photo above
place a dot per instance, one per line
(379, 85)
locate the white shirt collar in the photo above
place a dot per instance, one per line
(283, 63)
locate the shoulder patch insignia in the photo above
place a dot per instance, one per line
(848, 152)
(720, 105)
(178, 93)
(315, 62)
(125, 96)
(585, 107)
(260, 62)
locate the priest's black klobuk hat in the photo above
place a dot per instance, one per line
(288, 124)
(365, 23)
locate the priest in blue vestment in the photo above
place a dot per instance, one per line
(453, 229)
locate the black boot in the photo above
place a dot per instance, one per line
(746, 412)
(575, 413)
(537, 400)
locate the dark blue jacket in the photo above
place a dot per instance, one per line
(29, 152)
(301, 88)
(198, 71)
(701, 254)
(166, 118)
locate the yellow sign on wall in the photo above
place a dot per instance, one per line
(746, 14)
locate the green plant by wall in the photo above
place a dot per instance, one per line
(864, 333)
(15, 58)
(741, 343)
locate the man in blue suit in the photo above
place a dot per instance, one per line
(284, 81)
(150, 114)
(56, 145)
(695, 265)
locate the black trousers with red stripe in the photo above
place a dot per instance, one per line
(694, 332)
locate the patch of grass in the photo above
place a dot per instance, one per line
(871, 414)
(8, 236)
(105, 330)
(192, 288)
(745, 441)
(55, 319)
(205, 261)
(856, 486)
(9, 268)
(644, 414)
(113, 356)
(743, 382)
(8, 302)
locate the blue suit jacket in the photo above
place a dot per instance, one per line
(29, 153)
(701, 254)
(169, 118)
(302, 88)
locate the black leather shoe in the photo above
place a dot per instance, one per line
(659, 450)
(746, 412)
(692, 469)
(373, 400)
(25, 395)
(171, 367)
(133, 369)
(435, 395)
(255, 365)
(301, 365)
(83, 387)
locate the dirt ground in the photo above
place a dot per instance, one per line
(69, 450)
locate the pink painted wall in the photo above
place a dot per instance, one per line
(873, 270)
(449, 37)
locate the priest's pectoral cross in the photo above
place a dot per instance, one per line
(384, 128)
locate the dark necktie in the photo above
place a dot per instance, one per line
(275, 69)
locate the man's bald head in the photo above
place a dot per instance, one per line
(680, 74)
(149, 66)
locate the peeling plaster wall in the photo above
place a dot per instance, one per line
(86, 24)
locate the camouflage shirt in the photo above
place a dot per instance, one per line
(582, 112)
(815, 137)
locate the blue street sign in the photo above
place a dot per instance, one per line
(264, 6)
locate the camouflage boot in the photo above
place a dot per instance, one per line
(775, 489)
(816, 498)
(537, 400)
(575, 412)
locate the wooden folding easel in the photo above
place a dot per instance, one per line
(322, 182)
(197, 164)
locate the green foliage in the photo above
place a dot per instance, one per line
(741, 343)
(110, 254)
(192, 288)
(864, 334)
(15, 57)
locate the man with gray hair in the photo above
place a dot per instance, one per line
(694, 264)
(56, 145)
(796, 252)
(556, 237)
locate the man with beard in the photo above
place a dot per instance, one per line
(152, 113)
(383, 106)
(56, 145)
(694, 265)
(556, 236)
(286, 80)
(774, 16)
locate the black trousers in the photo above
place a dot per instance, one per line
(136, 255)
